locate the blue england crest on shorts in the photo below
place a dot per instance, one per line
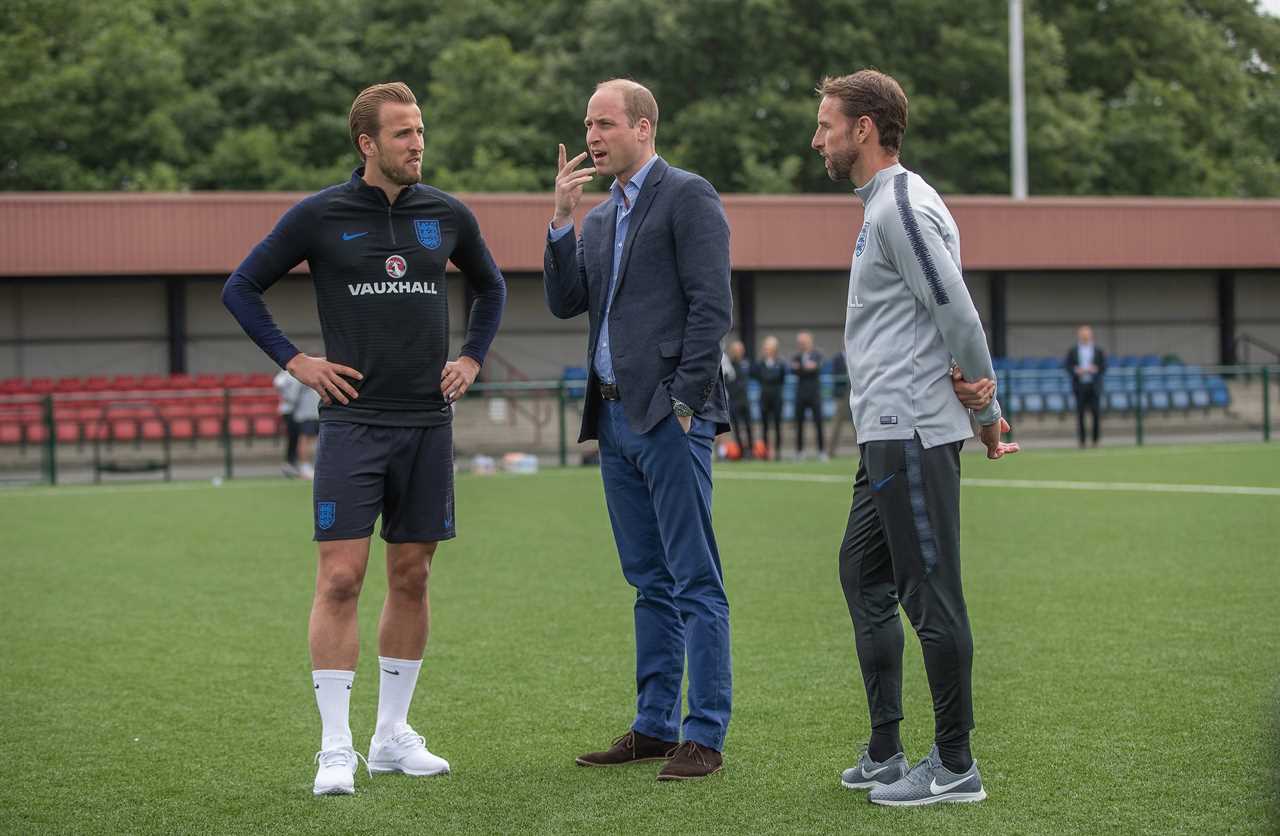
(326, 513)
(862, 240)
(428, 233)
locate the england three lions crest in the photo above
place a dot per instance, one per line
(428, 233)
(862, 240)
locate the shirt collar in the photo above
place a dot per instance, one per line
(881, 177)
(634, 185)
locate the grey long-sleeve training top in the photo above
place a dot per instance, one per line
(909, 315)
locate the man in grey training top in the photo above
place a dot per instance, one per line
(909, 316)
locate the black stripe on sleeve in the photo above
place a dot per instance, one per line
(917, 240)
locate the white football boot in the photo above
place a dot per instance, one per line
(405, 751)
(336, 774)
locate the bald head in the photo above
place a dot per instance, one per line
(637, 102)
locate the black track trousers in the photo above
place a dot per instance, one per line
(902, 544)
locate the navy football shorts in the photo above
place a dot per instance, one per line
(403, 473)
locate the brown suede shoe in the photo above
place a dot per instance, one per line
(691, 760)
(632, 747)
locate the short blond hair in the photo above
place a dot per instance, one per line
(363, 118)
(637, 101)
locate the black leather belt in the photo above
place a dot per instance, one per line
(609, 391)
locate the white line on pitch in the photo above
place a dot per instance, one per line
(1031, 484)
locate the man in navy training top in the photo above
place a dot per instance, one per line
(376, 247)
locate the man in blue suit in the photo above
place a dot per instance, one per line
(651, 270)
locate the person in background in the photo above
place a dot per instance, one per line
(770, 371)
(840, 395)
(284, 383)
(807, 365)
(1086, 363)
(737, 372)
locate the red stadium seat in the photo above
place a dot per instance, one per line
(69, 384)
(152, 382)
(68, 431)
(208, 381)
(209, 427)
(262, 380)
(97, 384)
(153, 429)
(239, 426)
(181, 381)
(266, 427)
(183, 428)
(36, 433)
(10, 433)
(124, 382)
(123, 429)
(40, 385)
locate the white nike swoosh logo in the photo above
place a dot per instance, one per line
(935, 789)
(873, 773)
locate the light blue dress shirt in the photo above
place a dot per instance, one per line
(624, 198)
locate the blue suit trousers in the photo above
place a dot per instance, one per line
(658, 489)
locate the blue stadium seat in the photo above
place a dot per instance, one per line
(1119, 401)
(1033, 403)
(573, 374)
(1200, 398)
(1157, 400)
(1055, 402)
(1180, 399)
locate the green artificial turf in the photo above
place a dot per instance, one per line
(155, 673)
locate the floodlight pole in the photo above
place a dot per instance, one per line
(1018, 103)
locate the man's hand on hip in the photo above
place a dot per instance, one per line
(990, 438)
(569, 183)
(456, 377)
(324, 377)
(975, 395)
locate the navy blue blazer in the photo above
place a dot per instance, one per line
(672, 304)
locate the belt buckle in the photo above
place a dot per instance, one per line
(609, 391)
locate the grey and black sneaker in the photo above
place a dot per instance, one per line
(869, 774)
(929, 782)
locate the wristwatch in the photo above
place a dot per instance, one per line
(681, 409)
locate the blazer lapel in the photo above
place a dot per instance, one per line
(643, 202)
(603, 250)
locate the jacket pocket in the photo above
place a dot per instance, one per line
(670, 348)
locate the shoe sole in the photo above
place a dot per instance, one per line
(945, 798)
(334, 791)
(862, 785)
(384, 769)
(689, 777)
(584, 762)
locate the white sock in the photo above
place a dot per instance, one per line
(395, 692)
(333, 698)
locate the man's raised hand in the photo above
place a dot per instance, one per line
(569, 183)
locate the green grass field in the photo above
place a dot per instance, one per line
(155, 672)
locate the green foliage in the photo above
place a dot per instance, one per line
(1162, 97)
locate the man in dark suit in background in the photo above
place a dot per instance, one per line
(651, 269)
(1086, 363)
(737, 372)
(807, 367)
(771, 371)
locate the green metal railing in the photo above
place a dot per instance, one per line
(562, 396)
